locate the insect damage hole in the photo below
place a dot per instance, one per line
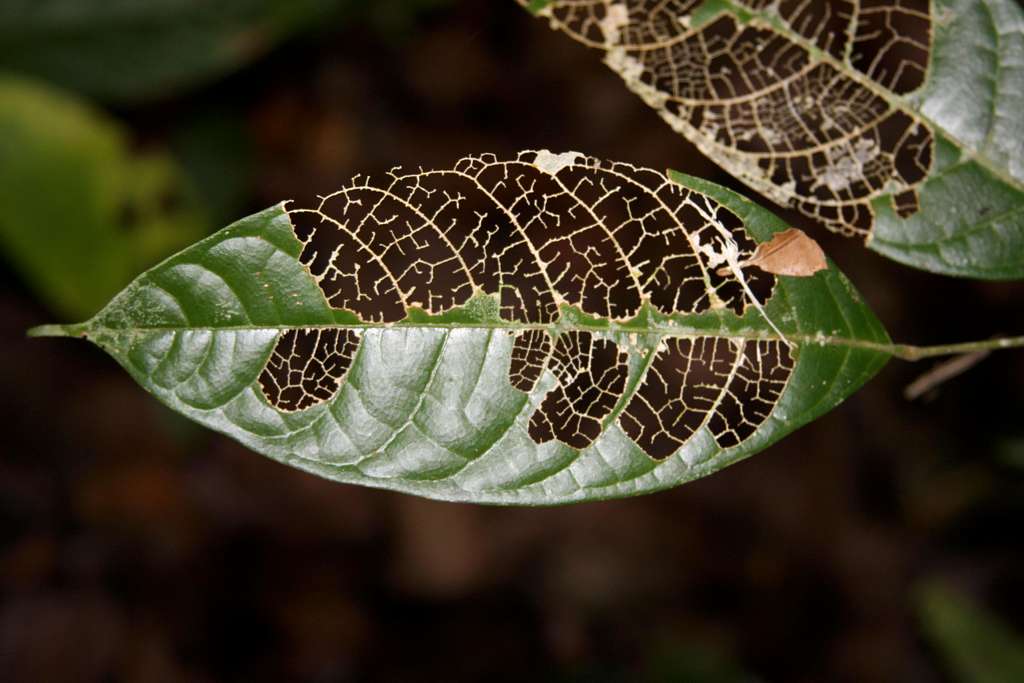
(591, 375)
(731, 386)
(307, 367)
(682, 384)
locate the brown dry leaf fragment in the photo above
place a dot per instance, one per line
(790, 252)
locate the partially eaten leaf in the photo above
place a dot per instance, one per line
(537, 330)
(897, 120)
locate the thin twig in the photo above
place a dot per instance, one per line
(943, 372)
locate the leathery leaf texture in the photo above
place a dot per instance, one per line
(538, 330)
(896, 120)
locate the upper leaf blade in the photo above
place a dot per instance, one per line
(898, 121)
(540, 330)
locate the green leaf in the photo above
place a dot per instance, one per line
(977, 647)
(897, 121)
(124, 50)
(81, 214)
(541, 330)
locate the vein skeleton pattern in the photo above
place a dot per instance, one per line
(591, 377)
(538, 232)
(772, 112)
(307, 367)
(731, 386)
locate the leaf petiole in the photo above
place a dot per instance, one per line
(909, 352)
(58, 330)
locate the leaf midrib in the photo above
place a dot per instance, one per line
(798, 339)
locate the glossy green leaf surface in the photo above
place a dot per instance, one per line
(897, 121)
(81, 212)
(436, 395)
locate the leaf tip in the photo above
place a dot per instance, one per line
(537, 6)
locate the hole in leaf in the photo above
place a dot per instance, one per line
(307, 367)
(591, 376)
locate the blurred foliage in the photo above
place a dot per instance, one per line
(392, 18)
(675, 662)
(136, 50)
(82, 211)
(976, 646)
(671, 661)
(1010, 451)
(215, 152)
(127, 50)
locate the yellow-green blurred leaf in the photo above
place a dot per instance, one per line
(81, 212)
(977, 647)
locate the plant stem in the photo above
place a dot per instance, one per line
(914, 353)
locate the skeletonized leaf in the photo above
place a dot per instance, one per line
(539, 330)
(897, 120)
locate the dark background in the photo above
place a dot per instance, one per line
(138, 547)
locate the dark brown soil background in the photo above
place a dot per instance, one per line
(139, 547)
